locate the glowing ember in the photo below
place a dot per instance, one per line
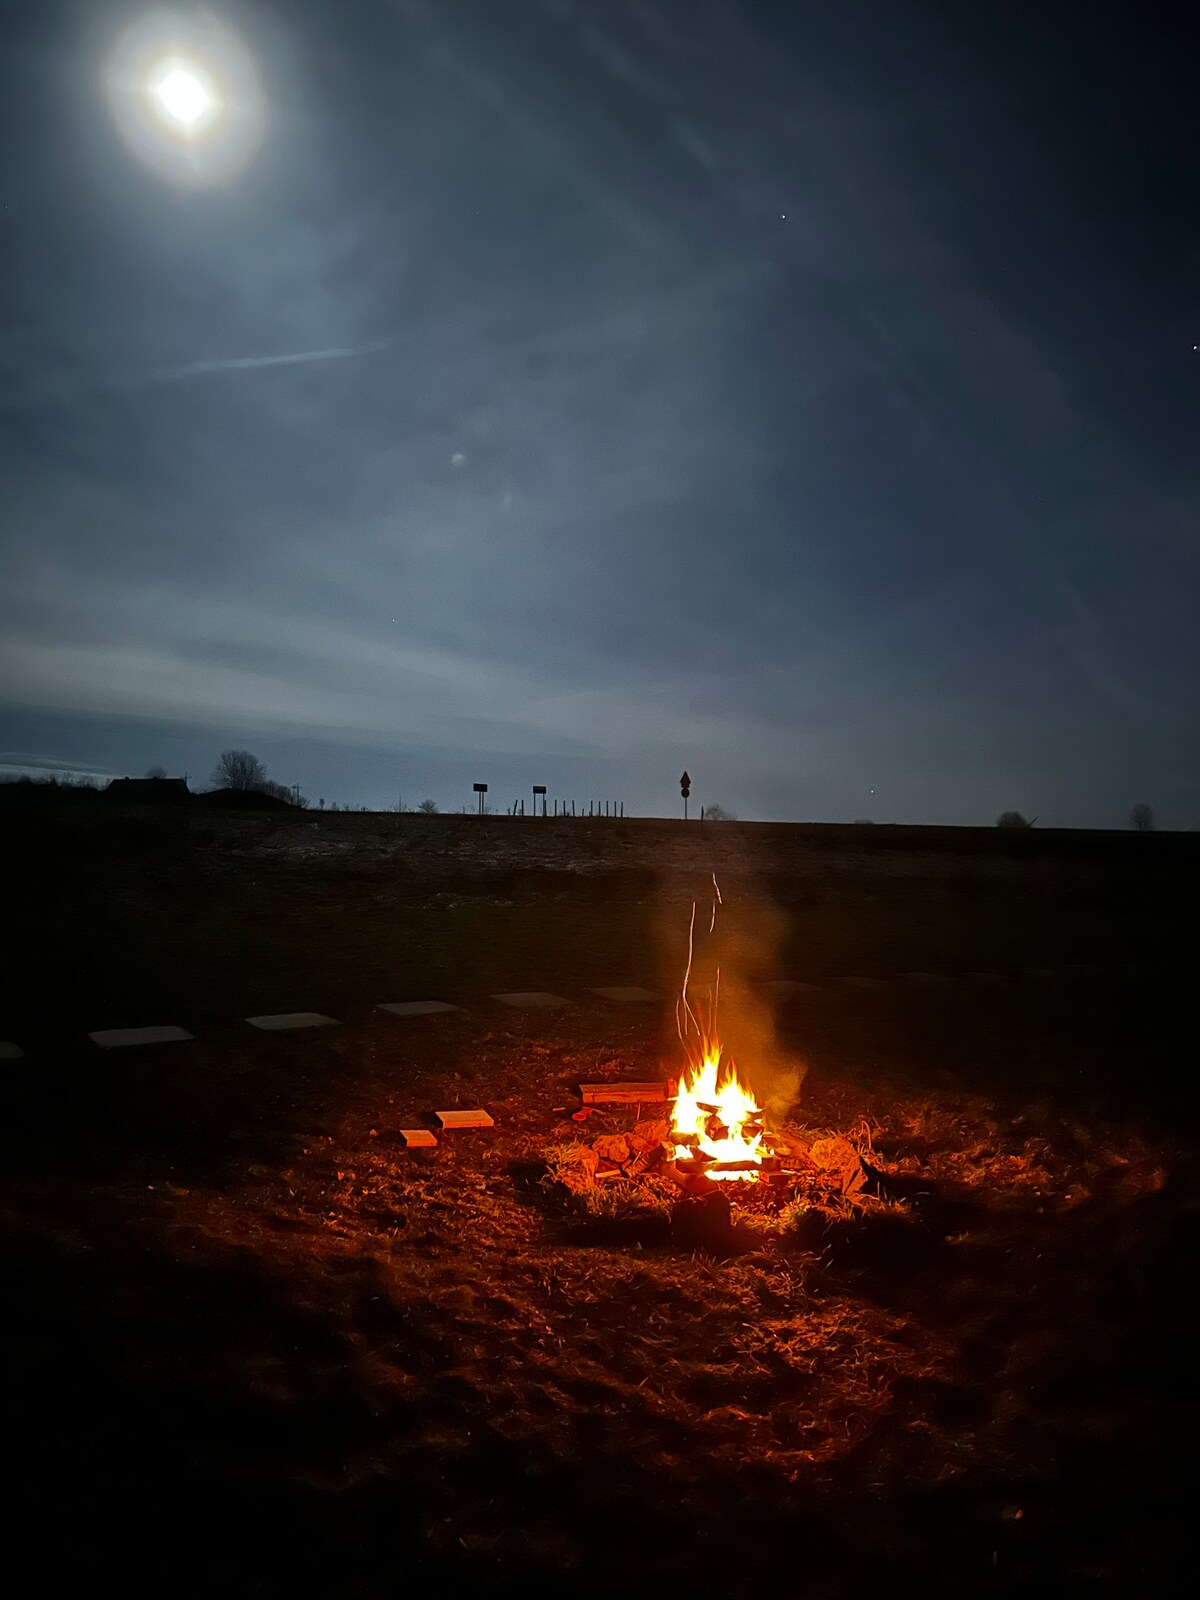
(717, 1116)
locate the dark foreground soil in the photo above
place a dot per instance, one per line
(253, 1346)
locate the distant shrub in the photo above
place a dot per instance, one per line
(1142, 817)
(280, 791)
(718, 814)
(428, 808)
(1012, 819)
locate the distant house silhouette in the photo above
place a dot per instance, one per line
(149, 791)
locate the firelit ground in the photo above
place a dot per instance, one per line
(254, 1346)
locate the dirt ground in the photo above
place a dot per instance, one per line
(254, 1346)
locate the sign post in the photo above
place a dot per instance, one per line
(539, 789)
(480, 789)
(685, 789)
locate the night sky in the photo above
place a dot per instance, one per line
(572, 391)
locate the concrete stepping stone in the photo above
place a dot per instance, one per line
(287, 1020)
(864, 983)
(533, 999)
(417, 1138)
(477, 1118)
(125, 1038)
(10, 1051)
(417, 1008)
(627, 995)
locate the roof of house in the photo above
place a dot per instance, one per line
(152, 789)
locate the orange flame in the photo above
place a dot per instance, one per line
(710, 1117)
(714, 1114)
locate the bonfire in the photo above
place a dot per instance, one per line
(714, 1131)
(716, 1124)
(716, 1121)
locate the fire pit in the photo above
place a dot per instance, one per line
(709, 1136)
(717, 1129)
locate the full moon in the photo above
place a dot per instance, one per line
(181, 95)
(186, 96)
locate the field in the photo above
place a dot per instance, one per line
(256, 1346)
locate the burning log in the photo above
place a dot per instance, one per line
(710, 1167)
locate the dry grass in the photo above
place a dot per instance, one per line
(242, 1316)
(494, 1369)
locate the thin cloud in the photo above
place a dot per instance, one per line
(50, 388)
(23, 761)
(195, 369)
